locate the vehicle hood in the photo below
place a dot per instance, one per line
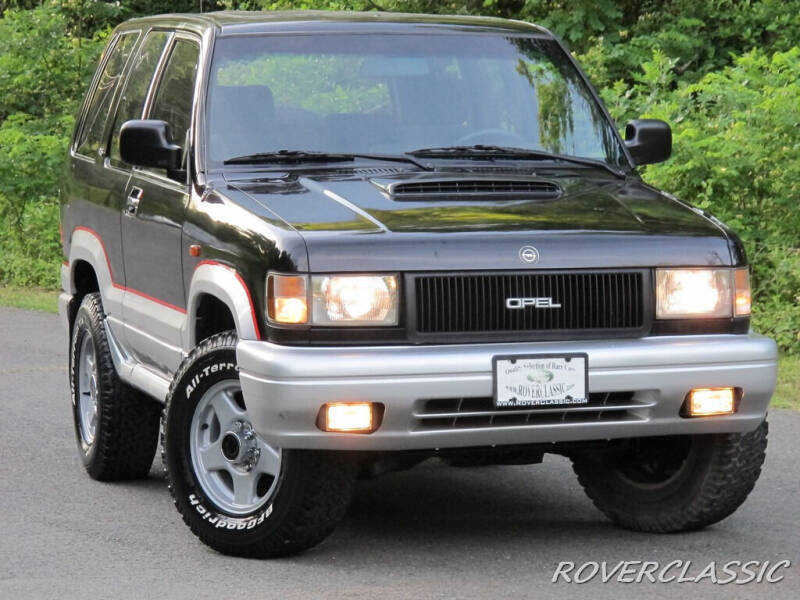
(350, 222)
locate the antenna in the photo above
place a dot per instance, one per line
(201, 6)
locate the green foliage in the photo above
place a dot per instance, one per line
(31, 151)
(42, 71)
(31, 248)
(737, 155)
(700, 37)
(43, 76)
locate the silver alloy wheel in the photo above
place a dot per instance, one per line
(87, 390)
(235, 468)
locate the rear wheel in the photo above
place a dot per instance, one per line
(676, 483)
(116, 427)
(237, 493)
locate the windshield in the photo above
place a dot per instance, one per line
(391, 94)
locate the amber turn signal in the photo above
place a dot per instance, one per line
(741, 299)
(287, 300)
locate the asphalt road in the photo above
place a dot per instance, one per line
(432, 532)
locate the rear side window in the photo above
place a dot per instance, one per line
(131, 106)
(94, 122)
(173, 100)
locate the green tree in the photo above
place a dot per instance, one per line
(737, 155)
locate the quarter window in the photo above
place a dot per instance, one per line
(91, 135)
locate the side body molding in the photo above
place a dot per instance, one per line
(209, 277)
(227, 285)
(86, 245)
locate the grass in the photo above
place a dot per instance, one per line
(787, 393)
(30, 298)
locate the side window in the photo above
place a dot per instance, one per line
(173, 100)
(131, 106)
(91, 135)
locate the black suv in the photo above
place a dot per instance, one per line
(329, 245)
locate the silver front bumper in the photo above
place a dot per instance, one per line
(284, 388)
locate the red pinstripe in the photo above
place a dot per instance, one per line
(163, 302)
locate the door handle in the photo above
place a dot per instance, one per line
(132, 204)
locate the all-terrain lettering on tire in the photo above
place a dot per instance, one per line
(212, 456)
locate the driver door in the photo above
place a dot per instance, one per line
(155, 306)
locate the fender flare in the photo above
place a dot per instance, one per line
(227, 285)
(86, 245)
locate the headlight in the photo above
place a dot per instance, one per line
(702, 293)
(336, 300)
(347, 300)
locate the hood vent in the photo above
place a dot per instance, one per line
(473, 189)
(372, 171)
(369, 171)
(519, 171)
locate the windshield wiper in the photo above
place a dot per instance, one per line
(509, 152)
(287, 156)
(308, 156)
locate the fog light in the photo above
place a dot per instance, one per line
(350, 417)
(704, 402)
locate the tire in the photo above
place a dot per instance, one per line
(295, 497)
(116, 427)
(672, 484)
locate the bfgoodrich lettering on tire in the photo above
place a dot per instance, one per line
(237, 493)
(675, 483)
(116, 426)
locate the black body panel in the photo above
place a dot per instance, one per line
(350, 224)
(152, 238)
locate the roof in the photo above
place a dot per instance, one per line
(245, 22)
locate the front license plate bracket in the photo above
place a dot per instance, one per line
(540, 381)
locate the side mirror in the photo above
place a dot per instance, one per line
(149, 144)
(648, 140)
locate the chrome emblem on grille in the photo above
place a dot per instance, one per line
(516, 303)
(529, 255)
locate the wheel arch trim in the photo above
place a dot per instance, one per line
(87, 246)
(226, 284)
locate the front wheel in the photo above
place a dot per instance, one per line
(238, 494)
(675, 483)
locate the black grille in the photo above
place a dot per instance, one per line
(463, 304)
(488, 188)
